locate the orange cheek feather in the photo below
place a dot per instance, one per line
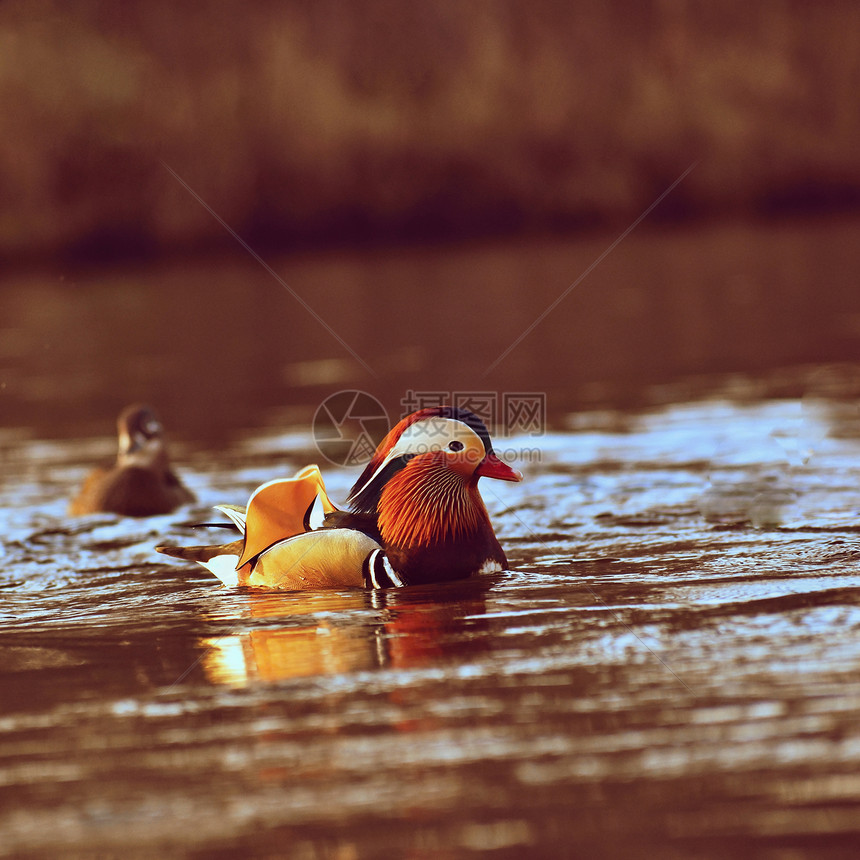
(428, 503)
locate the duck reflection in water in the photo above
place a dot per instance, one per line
(325, 633)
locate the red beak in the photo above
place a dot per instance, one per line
(492, 467)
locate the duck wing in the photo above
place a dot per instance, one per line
(280, 509)
(277, 511)
(326, 558)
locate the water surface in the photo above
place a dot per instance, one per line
(671, 669)
(221, 347)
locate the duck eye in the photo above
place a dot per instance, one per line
(456, 445)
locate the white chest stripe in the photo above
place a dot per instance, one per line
(392, 574)
(382, 574)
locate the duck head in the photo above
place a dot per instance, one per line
(141, 440)
(422, 482)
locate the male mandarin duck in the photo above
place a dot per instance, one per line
(141, 482)
(415, 516)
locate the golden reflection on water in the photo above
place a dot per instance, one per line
(274, 655)
(401, 633)
(265, 654)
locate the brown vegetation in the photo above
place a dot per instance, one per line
(384, 121)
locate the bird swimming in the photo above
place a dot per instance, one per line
(414, 516)
(140, 483)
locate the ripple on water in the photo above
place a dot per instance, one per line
(651, 668)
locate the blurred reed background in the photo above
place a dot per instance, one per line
(328, 121)
(323, 125)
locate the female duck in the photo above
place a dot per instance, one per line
(415, 516)
(141, 482)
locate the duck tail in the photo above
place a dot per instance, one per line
(220, 560)
(200, 553)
